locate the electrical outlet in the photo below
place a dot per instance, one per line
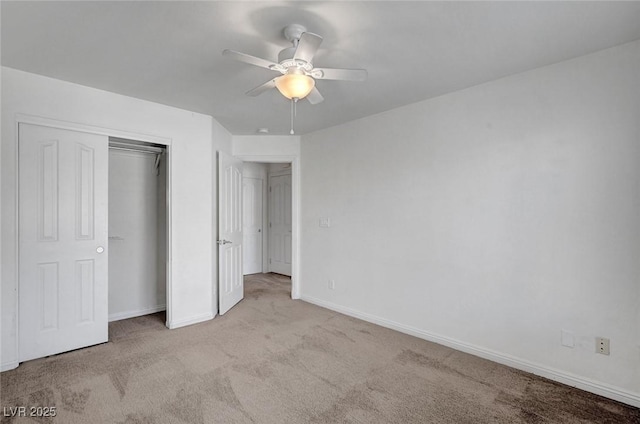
(332, 284)
(602, 345)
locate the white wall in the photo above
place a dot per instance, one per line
(255, 170)
(137, 263)
(192, 297)
(491, 219)
(222, 139)
(266, 145)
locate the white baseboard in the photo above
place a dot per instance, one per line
(189, 321)
(569, 379)
(9, 366)
(140, 312)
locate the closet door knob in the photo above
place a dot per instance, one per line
(100, 249)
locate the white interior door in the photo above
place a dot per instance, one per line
(280, 224)
(63, 179)
(252, 225)
(230, 279)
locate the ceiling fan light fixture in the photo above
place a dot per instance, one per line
(295, 85)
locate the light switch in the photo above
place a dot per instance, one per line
(325, 222)
(566, 338)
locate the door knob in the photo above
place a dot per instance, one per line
(221, 242)
(100, 249)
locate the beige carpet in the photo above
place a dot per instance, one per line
(274, 360)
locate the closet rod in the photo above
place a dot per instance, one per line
(145, 149)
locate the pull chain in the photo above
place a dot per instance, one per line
(293, 113)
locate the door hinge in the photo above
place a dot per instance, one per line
(270, 189)
(270, 261)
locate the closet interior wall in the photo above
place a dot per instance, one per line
(137, 229)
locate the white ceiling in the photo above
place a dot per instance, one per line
(170, 52)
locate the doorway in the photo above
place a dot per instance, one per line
(267, 205)
(293, 163)
(254, 217)
(137, 228)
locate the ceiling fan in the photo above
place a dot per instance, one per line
(296, 66)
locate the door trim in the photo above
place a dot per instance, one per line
(21, 118)
(73, 126)
(295, 211)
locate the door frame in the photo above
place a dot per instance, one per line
(109, 132)
(128, 147)
(294, 160)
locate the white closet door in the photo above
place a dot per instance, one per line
(63, 240)
(252, 225)
(280, 224)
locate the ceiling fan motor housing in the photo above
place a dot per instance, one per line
(293, 32)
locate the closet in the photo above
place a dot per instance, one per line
(137, 228)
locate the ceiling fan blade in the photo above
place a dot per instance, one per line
(340, 74)
(307, 46)
(246, 58)
(315, 97)
(262, 88)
